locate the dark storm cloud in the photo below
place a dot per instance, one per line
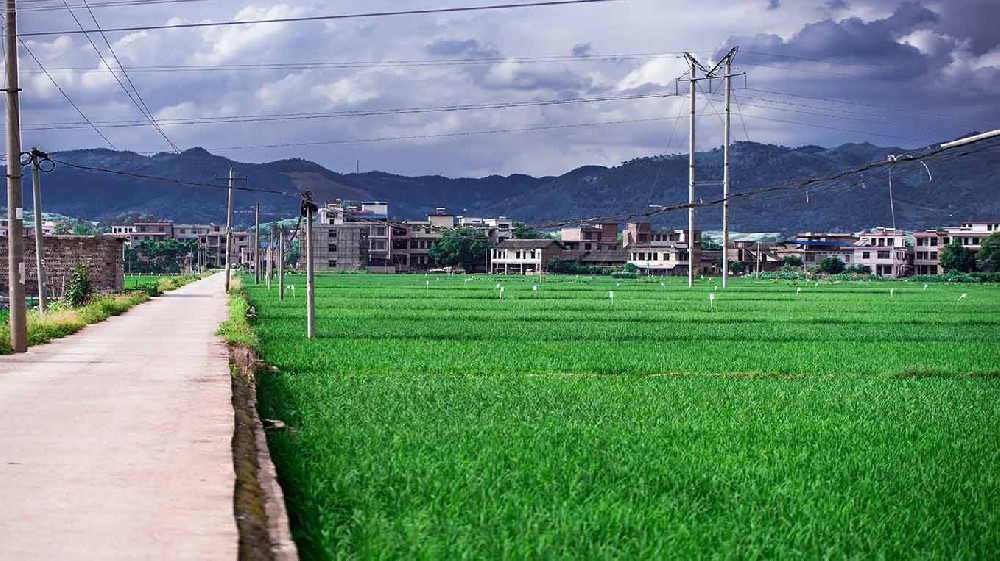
(837, 5)
(773, 4)
(582, 49)
(978, 21)
(855, 41)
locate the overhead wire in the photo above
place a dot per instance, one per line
(139, 105)
(67, 97)
(329, 17)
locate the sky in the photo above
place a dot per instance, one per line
(406, 94)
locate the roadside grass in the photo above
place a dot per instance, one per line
(62, 320)
(237, 329)
(432, 419)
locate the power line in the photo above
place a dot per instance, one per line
(171, 181)
(128, 78)
(65, 95)
(392, 63)
(141, 106)
(28, 6)
(359, 112)
(331, 17)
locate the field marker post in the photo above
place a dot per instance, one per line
(15, 212)
(256, 244)
(308, 208)
(711, 302)
(281, 264)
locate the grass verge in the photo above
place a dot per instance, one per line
(61, 320)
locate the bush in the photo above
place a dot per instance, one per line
(80, 289)
(625, 275)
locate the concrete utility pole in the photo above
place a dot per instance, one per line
(308, 208)
(725, 172)
(15, 211)
(281, 264)
(269, 271)
(256, 244)
(229, 228)
(691, 173)
(36, 185)
(229, 225)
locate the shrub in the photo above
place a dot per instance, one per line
(80, 289)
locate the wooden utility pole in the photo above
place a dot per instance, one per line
(36, 187)
(15, 211)
(256, 244)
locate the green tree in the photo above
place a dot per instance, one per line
(166, 257)
(462, 247)
(524, 232)
(955, 257)
(630, 268)
(989, 254)
(831, 265)
(793, 261)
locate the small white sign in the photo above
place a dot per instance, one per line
(19, 213)
(711, 297)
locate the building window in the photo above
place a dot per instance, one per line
(883, 255)
(332, 263)
(333, 248)
(934, 242)
(333, 234)
(866, 255)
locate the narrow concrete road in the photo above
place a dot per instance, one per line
(115, 442)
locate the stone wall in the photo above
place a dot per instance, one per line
(61, 255)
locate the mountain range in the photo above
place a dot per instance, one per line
(956, 186)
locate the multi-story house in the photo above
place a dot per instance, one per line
(150, 232)
(663, 252)
(929, 244)
(340, 247)
(884, 251)
(598, 237)
(498, 229)
(376, 215)
(522, 257)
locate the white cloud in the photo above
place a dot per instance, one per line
(944, 56)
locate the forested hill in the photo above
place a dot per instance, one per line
(963, 189)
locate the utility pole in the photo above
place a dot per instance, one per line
(308, 208)
(281, 264)
(269, 271)
(256, 244)
(725, 172)
(36, 186)
(691, 173)
(229, 225)
(758, 259)
(15, 211)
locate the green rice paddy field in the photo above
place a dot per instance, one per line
(432, 419)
